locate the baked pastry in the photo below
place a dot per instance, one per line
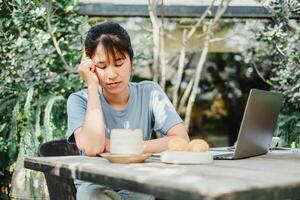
(198, 145)
(178, 144)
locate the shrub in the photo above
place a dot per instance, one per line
(275, 55)
(41, 44)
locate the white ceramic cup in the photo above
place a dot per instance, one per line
(126, 141)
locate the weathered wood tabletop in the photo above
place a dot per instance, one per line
(272, 176)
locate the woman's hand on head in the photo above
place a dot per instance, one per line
(87, 72)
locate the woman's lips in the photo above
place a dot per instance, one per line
(113, 85)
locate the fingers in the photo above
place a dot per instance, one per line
(86, 65)
(87, 71)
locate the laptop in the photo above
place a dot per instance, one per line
(257, 126)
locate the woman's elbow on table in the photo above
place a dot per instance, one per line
(93, 151)
(91, 147)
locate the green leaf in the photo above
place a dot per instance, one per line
(28, 101)
(48, 126)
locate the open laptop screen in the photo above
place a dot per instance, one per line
(258, 123)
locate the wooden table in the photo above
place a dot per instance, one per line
(272, 176)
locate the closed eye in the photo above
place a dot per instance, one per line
(119, 64)
(101, 66)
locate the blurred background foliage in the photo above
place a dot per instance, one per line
(274, 53)
(41, 47)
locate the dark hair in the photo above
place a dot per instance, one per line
(112, 36)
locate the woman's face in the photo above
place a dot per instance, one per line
(113, 74)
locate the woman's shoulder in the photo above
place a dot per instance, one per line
(81, 94)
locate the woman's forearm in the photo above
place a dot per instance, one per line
(161, 144)
(93, 130)
(156, 145)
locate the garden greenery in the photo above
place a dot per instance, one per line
(275, 55)
(41, 43)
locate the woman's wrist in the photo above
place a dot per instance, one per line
(144, 146)
(93, 86)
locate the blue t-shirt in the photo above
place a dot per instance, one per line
(148, 108)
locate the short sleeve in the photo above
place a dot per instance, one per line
(164, 115)
(76, 109)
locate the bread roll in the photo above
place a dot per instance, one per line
(178, 144)
(198, 145)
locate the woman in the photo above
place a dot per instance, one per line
(112, 101)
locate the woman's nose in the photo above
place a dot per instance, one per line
(111, 72)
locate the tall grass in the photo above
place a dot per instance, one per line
(27, 132)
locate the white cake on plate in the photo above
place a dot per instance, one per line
(126, 141)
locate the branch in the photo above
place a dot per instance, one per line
(201, 62)
(155, 30)
(174, 61)
(162, 58)
(218, 15)
(199, 21)
(261, 76)
(185, 95)
(280, 51)
(180, 69)
(196, 83)
(56, 45)
(217, 39)
(7, 6)
(185, 38)
(220, 12)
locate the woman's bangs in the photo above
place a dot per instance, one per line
(112, 47)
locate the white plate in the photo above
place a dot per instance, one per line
(125, 159)
(184, 157)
